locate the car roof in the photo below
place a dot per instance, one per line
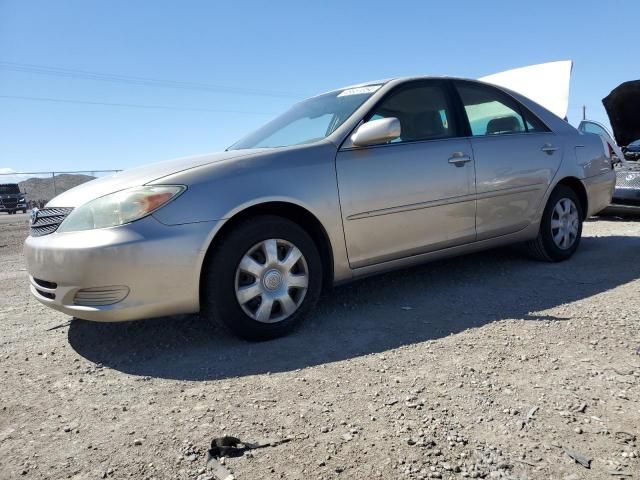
(396, 80)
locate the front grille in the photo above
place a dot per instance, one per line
(628, 178)
(9, 202)
(48, 220)
(98, 296)
(630, 202)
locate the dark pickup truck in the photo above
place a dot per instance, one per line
(12, 199)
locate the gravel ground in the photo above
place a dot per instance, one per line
(487, 366)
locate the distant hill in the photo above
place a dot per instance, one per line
(40, 190)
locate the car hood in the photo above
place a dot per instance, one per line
(623, 108)
(142, 175)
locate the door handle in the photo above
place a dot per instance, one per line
(548, 148)
(459, 159)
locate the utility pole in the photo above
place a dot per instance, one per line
(584, 112)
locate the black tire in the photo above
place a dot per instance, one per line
(218, 296)
(24, 210)
(543, 246)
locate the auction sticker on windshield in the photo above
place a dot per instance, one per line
(359, 90)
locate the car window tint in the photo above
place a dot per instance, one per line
(489, 112)
(423, 111)
(9, 189)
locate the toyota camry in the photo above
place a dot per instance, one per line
(349, 183)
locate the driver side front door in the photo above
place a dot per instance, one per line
(414, 194)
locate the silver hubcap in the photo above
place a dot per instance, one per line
(565, 223)
(271, 280)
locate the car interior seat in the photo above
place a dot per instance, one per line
(508, 124)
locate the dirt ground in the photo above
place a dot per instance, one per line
(487, 366)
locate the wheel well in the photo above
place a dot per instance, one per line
(577, 186)
(296, 214)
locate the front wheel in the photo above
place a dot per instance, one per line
(560, 227)
(262, 278)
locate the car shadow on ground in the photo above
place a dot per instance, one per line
(372, 315)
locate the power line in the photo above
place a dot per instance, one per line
(128, 105)
(140, 81)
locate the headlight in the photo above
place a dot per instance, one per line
(120, 207)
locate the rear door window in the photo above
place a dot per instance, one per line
(490, 112)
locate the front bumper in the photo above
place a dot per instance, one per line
(626, 201)
(147, 268)
(626, 196)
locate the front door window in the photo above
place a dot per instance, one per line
(423, 111)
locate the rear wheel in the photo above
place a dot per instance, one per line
(262, 278)
(560, 227)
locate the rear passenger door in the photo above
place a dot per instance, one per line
(516, 157)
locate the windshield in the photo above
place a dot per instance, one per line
(9, 189)
(308, 121)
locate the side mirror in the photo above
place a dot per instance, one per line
(376, 131)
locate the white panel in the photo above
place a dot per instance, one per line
(545, 83)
